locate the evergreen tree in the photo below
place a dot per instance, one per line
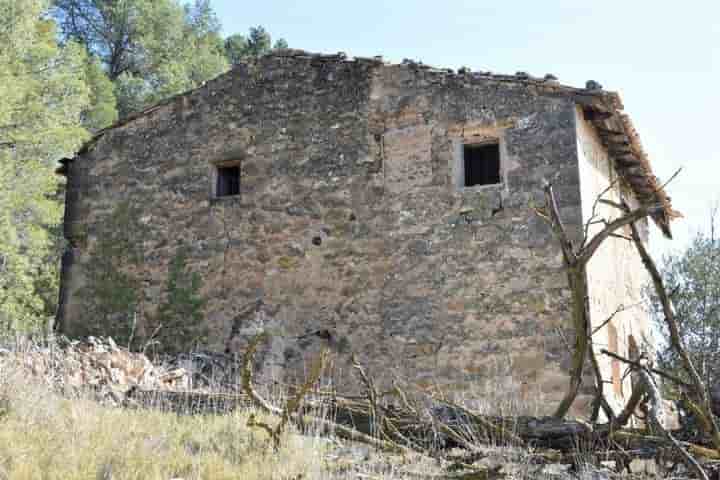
(102, 110)
(257, 43)
(150, 49)
(693, 278)
(43, 96)
(109, 57)
(236, 48)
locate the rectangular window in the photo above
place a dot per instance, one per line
(228, 181)
(482, 164)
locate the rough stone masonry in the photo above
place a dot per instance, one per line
(338, 203)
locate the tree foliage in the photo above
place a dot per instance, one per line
(150, 49)
(258, 42)
(68, 68)
(113, 291)
(102, 110)
(43, 96)
(693, 278)
(153, 49)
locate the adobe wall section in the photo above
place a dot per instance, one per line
(616, 275)
(351, 230)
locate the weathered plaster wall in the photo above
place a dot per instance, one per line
(616, 275)
(351, 231)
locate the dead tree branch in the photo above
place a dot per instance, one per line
(327, 426)
(496, 431)
(655, 417)
(576, 260)
(600, 400)
(375, 422)
(593, 213)
(577, 281)
(620, 308)
(635, 364)
(630, 217)
(630, 407)
(699, 389)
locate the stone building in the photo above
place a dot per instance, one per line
(378, 209)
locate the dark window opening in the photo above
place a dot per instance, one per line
(228, 181)
(482, 164)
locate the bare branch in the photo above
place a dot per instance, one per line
(326, 425)
(375, 420)
(636, 364)
(577, 281)
(619, 309)
(620, 236)
(630, 407)
(613, 204)
(248, 374)
(557, 225)
(655, 416)
(631, 216)
(593, 213)
(699, 388)
(600, 400)
(672, 177)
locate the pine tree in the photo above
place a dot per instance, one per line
(102, 110)
(150, 49)
(693, 278)
(43, 94)
(257, 43)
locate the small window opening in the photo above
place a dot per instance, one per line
(228, 181)
(482, 164)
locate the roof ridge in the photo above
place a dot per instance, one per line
(604, 110)
(549, 80)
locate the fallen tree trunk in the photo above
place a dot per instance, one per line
(186, 402)
(440, 427)
(544, 433)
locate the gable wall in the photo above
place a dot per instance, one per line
(421, 279)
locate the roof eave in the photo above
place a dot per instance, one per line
(632, 164)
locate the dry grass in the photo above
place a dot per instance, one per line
(43, 435)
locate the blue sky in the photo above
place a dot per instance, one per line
(662, 56)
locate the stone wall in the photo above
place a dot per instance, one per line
(352, 230)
